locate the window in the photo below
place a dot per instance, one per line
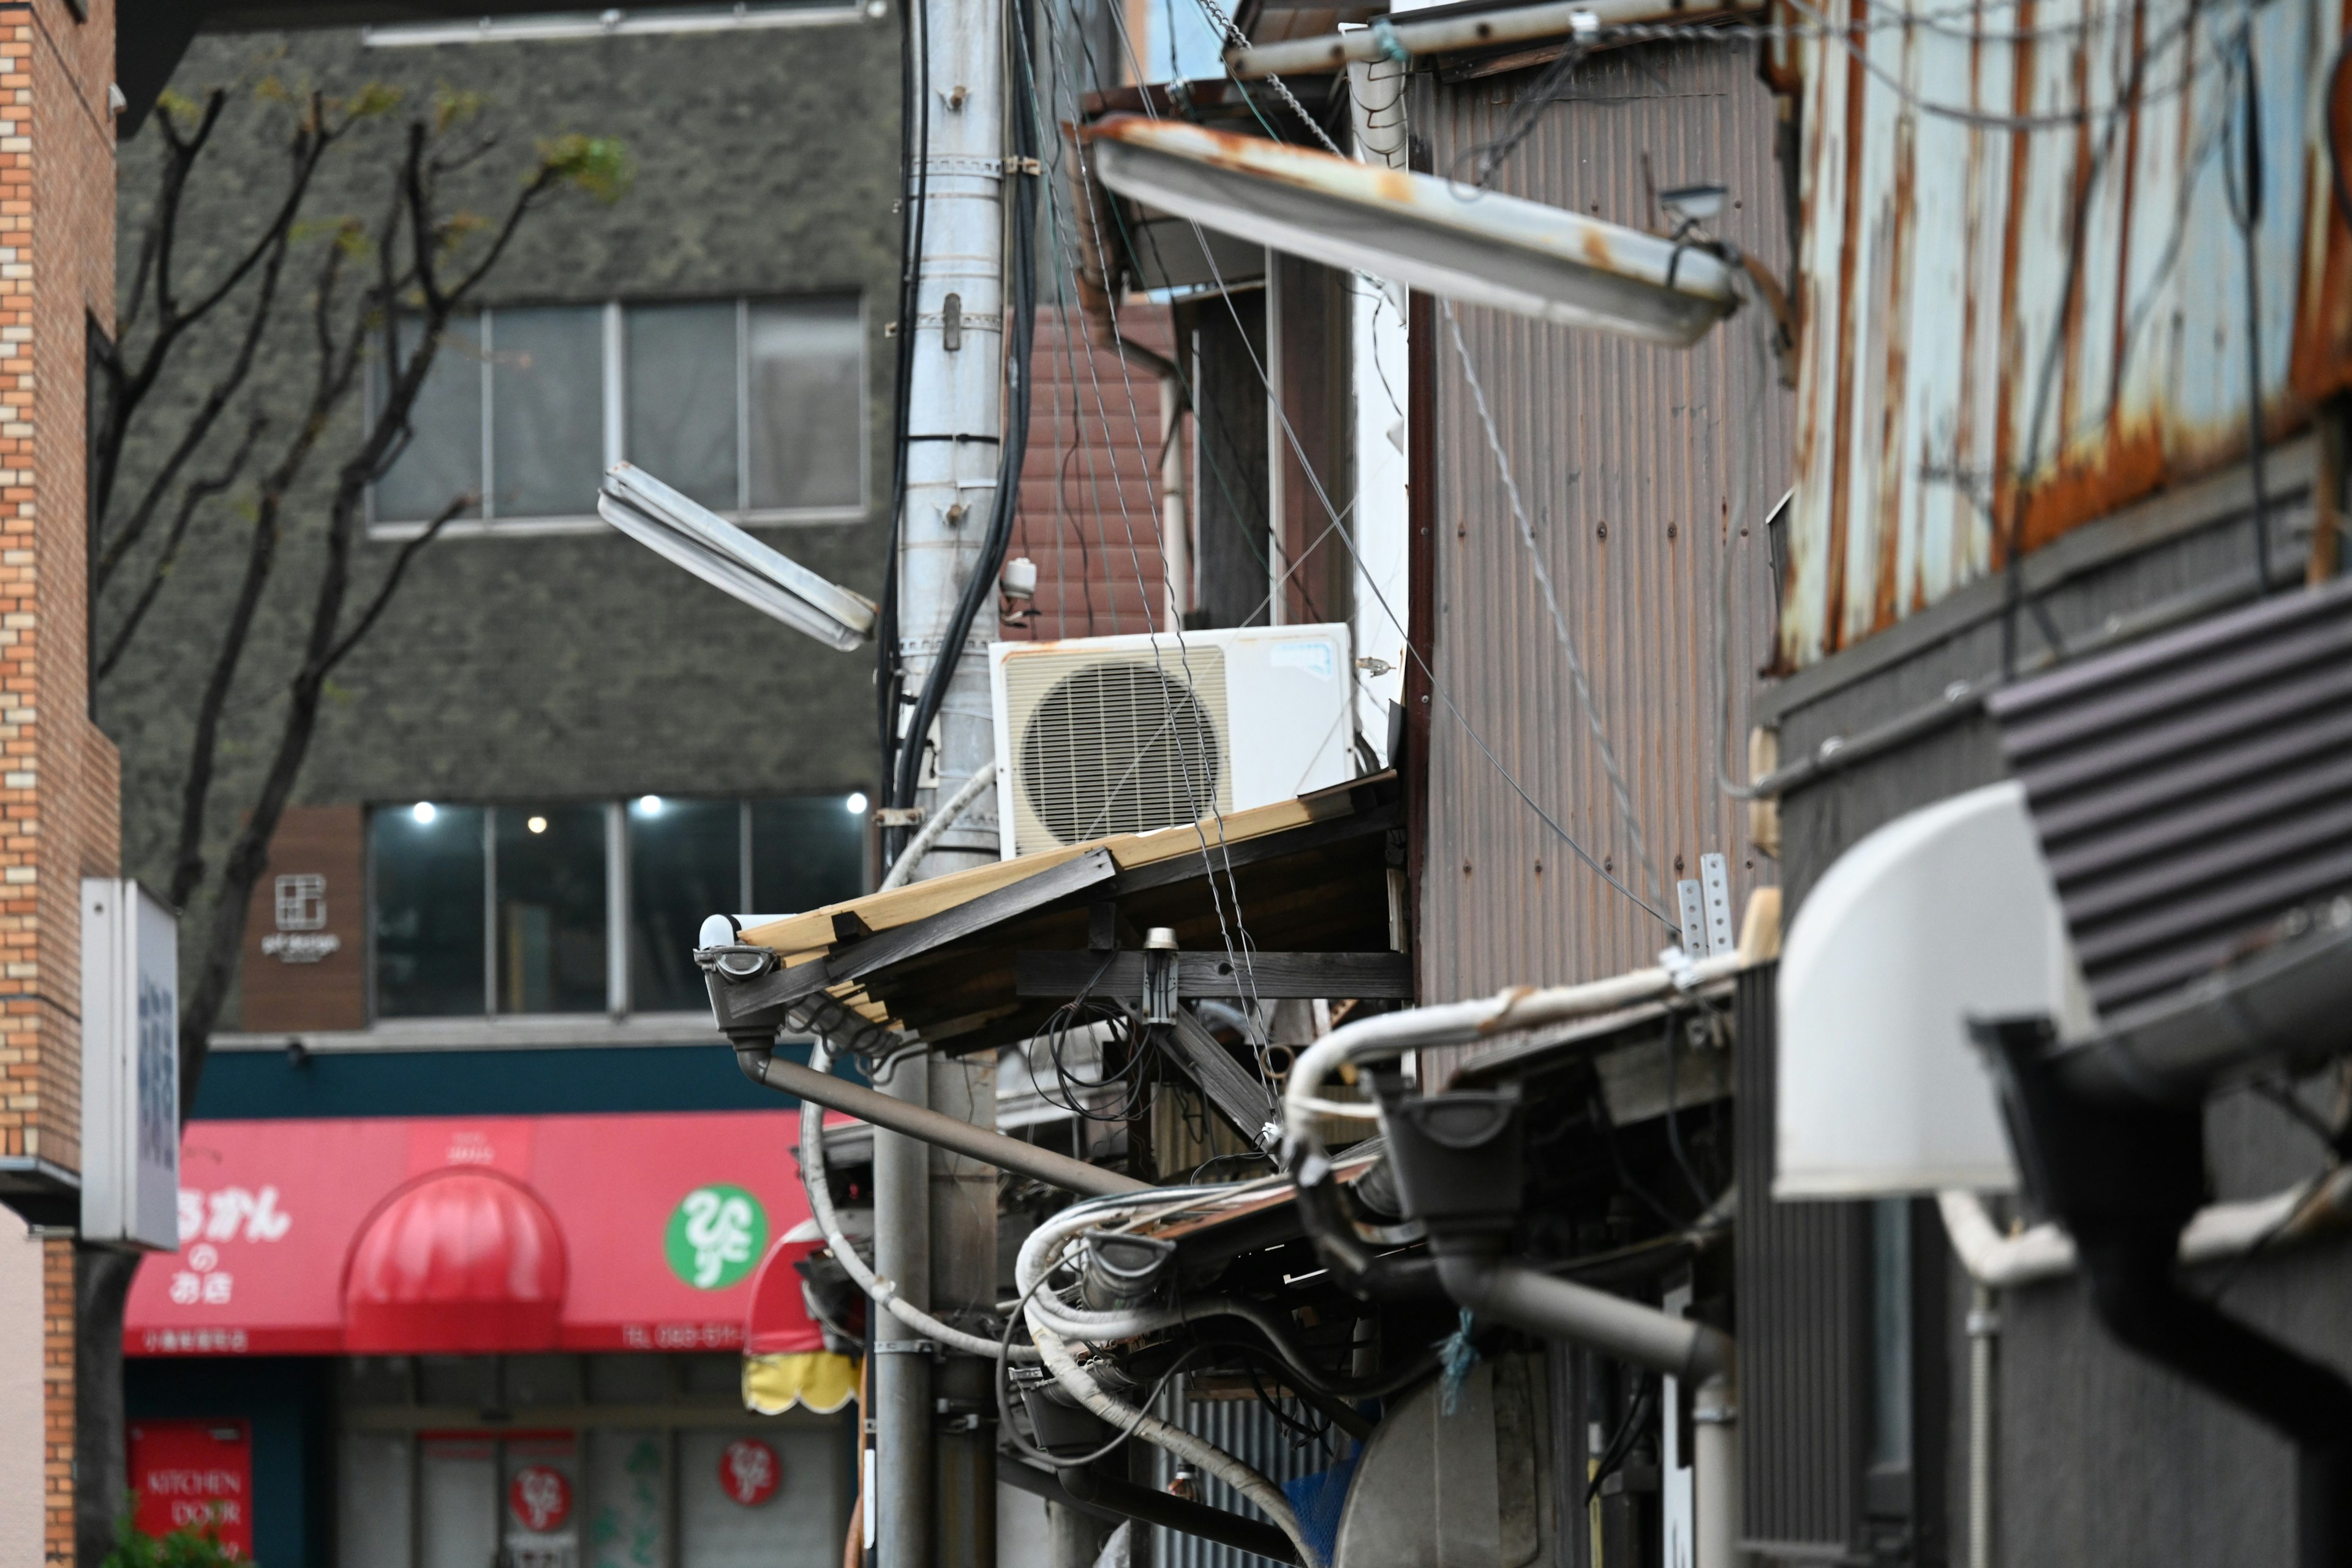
(512, 909)
(755, 407)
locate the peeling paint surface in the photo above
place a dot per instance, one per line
(2015, 324)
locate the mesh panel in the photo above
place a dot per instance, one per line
(1105, 745)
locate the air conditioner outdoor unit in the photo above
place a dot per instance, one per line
(1102, 735)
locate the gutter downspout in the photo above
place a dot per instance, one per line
(2126, 1178)
(1468, 1249)
(1697, 1354)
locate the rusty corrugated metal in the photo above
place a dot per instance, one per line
(1934, 284)
(1622, 452)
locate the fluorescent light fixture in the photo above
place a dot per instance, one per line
(1481, 247)
(649, 805)
(537, 824)
(691, 535)
(423, 812)
(857, 803)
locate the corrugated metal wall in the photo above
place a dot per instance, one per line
(1247, 1430)
(1623, 453)
(1803, 1326)
(1936, 294)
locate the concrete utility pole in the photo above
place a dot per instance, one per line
(935, 1215)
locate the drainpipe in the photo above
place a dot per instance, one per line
(1457, 1161)
(1984, 1336)
(2124, 1177)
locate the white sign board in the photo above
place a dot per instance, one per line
(129, 1066)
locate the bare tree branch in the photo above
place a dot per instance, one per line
(197, 492)
(393, 574)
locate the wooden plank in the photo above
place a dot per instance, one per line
(1237, 853)
(1241, 1099)
(1273, 975)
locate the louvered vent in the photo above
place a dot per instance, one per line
(1111, 744)
(2191, 788)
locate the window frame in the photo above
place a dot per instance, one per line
(620, 1002)
(614, 386)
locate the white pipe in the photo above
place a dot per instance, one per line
(1558, 19)
(1039, 1255)
(1715, 1474)
(938, 823)
(1460, 1022)
(2217, 1231)
(881, 1291)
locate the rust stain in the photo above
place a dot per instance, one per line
(2072, 308)
(2317, 361)
(1887, 524)
(2005, 498)
(1832, 630)
(2132, 462)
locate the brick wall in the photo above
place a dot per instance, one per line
(1089, 513)
(58, 773)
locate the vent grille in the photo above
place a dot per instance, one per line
(2191, 788)
(1104, 744)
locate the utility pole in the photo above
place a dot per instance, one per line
(935, 1458)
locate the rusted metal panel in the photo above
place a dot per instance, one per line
(2013, 325)
(1625, 455)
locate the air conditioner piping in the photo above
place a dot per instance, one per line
(883, 1292)
(940, 820)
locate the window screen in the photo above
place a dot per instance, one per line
(808, 403)
(428, 871)
(682, 397)
(550, 890)
(686, 864)
(806, 852)
(546, 411)
(443, 459)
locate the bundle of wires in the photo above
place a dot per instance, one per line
(903, 758)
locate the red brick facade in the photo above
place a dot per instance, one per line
(58, 773)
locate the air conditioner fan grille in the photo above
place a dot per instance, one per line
(1117, 747)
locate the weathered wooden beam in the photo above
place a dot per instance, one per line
(1272, 975)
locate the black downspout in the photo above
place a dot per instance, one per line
(2123, 1180)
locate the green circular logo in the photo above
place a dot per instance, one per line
(715, 1235)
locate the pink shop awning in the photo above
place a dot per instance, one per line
(466, 1234)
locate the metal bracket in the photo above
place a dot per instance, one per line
(1714, 879)
(898, 817)
(906, 1347)
(1694, 913)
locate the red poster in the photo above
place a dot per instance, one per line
(194, 1474)
(539, 1498)
(749, 1471)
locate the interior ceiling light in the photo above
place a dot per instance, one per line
(691, 535)
(1481, 247)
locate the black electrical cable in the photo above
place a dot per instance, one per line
(913, 184)
(1620, 1442)
(1020, 329)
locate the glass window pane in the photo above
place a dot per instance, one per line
(443, 459)
(375, 1511)
(459, 1511)
(681, 399)
(546, 411)
(808, 403)
(806, 852)
(551, 909)
(684, 865)
(428, 911)
(1890, 1293)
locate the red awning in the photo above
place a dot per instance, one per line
(456, 1235)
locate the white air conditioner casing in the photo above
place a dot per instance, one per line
(1096, 736)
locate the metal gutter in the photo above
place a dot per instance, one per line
(1447, 36)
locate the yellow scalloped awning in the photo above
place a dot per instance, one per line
(819, 1381)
